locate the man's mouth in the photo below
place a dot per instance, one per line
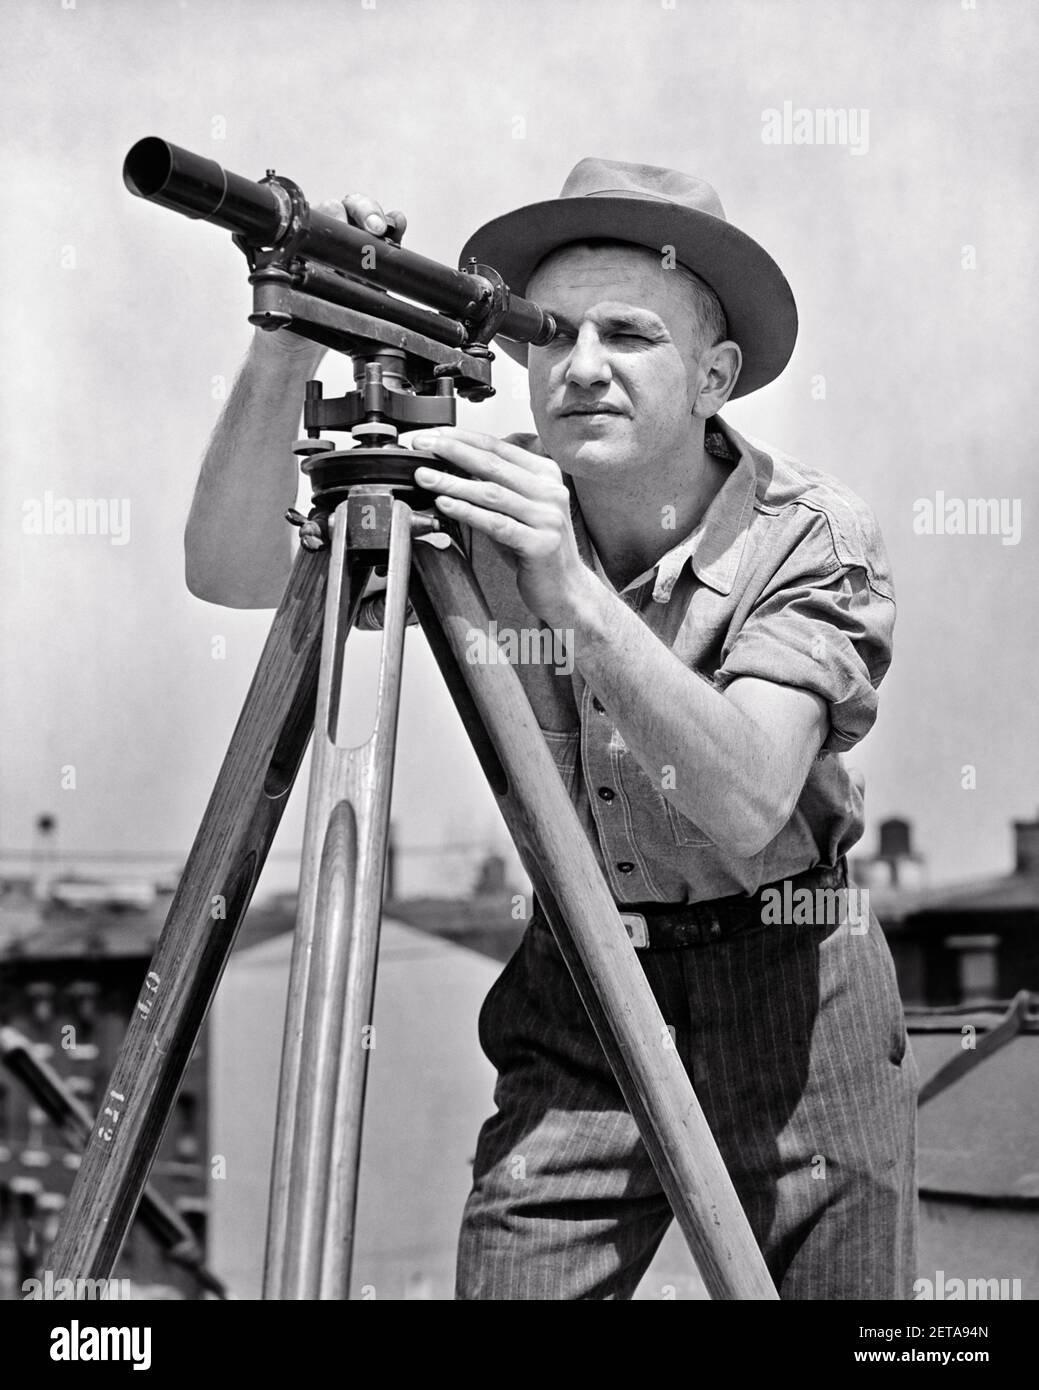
(591, 410)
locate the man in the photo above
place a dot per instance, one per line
(729, 617)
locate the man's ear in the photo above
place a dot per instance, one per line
(717, 373)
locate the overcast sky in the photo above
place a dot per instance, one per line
(910, 249)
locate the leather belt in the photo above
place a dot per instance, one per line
(666, 926)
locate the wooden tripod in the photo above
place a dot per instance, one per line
(298, 685)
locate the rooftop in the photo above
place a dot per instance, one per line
(977, 1138)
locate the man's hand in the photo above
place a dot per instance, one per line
(520, 501)
(366, 213)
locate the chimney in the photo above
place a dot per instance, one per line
(1026, 847)
(44, 856)
(490, 878)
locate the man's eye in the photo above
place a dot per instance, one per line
(569, 335)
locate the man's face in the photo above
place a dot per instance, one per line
(615, 389)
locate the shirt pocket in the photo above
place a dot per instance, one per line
(566, 752)
(683, 830)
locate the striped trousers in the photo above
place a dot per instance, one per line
(795, 1042)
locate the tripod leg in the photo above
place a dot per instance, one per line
(332, 979)
(591, 936)
(214, 892)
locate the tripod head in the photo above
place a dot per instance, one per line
(322, 279)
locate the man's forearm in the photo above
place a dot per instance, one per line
(710, 760)
(238, 547)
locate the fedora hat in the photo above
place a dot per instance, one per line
(655, 208)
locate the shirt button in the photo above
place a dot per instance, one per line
(606, 793)
(624, 867)
(598, 705)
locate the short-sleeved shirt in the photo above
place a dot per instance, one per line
(784, 578)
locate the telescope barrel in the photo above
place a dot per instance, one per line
(334, 289)
(347, 248)
(199, 188)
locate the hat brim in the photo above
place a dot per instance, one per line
(758, 302)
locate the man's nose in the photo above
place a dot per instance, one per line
(588, 364)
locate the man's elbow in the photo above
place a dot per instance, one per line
(231, 590)
(759, 826)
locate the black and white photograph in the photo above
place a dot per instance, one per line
(520, 773)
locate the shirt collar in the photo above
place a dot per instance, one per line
(714, 548)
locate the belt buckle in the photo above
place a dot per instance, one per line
(636, 926)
